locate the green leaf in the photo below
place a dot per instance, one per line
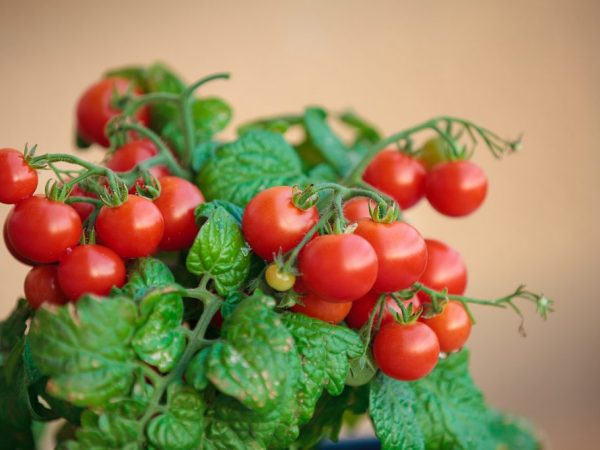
(325, 350)
(14, 397)
(391, 406)
(201, 153)
(366, 134)
(181, 426)
(239, 170)
(220, 252)
(512, 432)
(211, 115)
(195, 373)
(206, 210)
(325, 140)
(13, 328)
(250, 362)
(160, 341)
(323, 173)
(16, 438)
(144, 275)
(86, 349)
(278, 124)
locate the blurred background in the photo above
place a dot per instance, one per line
(516, 67)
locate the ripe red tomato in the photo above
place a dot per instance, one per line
(456, 188)
(131, 154)
(41, 286)
(361, 310)
(445, 270)
(41, 230)
(95, 109)
(133, 230)
(90, 269)
(12, 250)
(406, 352)
(177, 202)
(83, 209)
(18, 181)
(338, 267)
(400, 250)
(320, 309)
(452, 326)
(272, 223)
(358, 208)
(399, 175)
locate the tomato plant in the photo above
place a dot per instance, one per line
(41, 286)
(315, 307)
(362, 309)
(358, 208)
(278, 279)
(18, 180)
(452, 326)
(445, 269)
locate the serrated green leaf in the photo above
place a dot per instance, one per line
(512, 432)
(86, 349)
(237, 171)
(250, 362)
(391, 406)
(325, 140)
(211, 115)
(160, 341)
(144, 275)
(220, 252)
(325, 351)
(181, 426)
(206, 210)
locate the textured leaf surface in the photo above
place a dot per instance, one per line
(512, 432)
(325, 140)
(144, 275)
(324, 350)
(220, 252)
(86, 349)
(239, 170)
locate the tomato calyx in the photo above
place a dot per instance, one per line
(305, 198)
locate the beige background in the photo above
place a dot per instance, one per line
(529, 67)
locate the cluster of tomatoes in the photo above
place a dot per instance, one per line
(343, 275)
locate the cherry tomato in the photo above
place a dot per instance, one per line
(406, 352)
(361, 310)
(12, 250)
(434, 151)
(83, 209)
(90, 269)
(133, 230)
(41, 286)
(130, 155)
(320, 309)
(177, 202)
(456, 188)
(452, 326)
(278, 280)
(338, 267)
(445, 270)
(399, 175)
(41, 230)
(358, 208)
(273, 224)
(95, 108)
(18, 181)
(400, 250)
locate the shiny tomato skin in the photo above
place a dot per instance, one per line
(127, 157)
(400, 250)
(456, 189)
(12, 250)
(41, 286)
(358, 208)
(445, 270)
(406, 352)
(177, 202)
(320, 309)
(132, 230)
(361, 310)
(18, 181)
(95, 109)
(338, 267)
(273, 224)
(41, 230)
(90, 269)
(399, 175)
(452, 326)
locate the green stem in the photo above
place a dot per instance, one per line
(293, 255)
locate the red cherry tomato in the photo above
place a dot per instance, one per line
(177, 202)
(83, 209)
(452, 326)
(456, 188)
(41, 230)
(445, 270)
(361, 310)
(358, 208)
(133, 230)
(18, 181)
(95, 108)
(272, 223)
(130, 155)
(406, 352)
(338, 267)
(399, 175)
(320, 309)
(400, 250)
(12, 250)
(90, 269)
(41, 286)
